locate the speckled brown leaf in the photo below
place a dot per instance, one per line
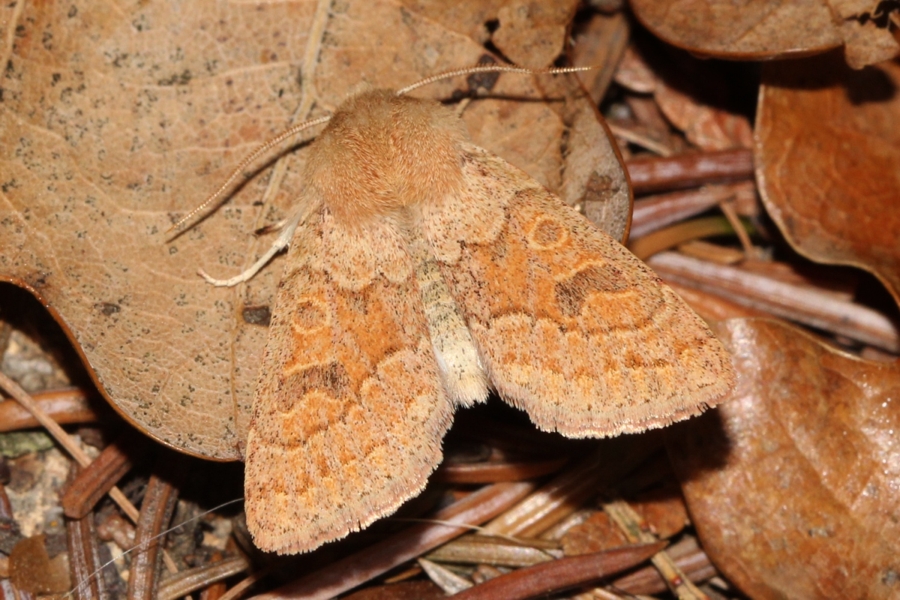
(793, 484)
(827, 156)
(115, 122)
(533, 33)
(771, 28)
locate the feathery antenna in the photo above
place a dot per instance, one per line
(248, 160)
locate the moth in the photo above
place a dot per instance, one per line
(422, 272)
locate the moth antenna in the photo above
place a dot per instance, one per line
(292, 131)
(493, 69)
(247, 161)
(98, 570)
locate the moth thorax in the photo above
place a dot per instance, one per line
(382, 152)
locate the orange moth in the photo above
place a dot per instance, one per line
(422, 272)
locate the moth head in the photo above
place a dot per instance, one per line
(381, 153)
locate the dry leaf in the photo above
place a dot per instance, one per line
(664, 513)
(792, 484)
(635, 74)
(117, 121)
(828, 161)
(689, 92)
(601, 40)
(705, 126)
(532, 33)
(467, 17)
(406, 590)
(770, 28)
(32, 570)
(866, 41)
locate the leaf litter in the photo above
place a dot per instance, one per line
(135, 134)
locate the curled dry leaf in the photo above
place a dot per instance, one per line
(116, 122)
(828, 161)
(601, 40)
(792, 484)
(708, 127)
(690, 106)
(770, 28)
(635, 74)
